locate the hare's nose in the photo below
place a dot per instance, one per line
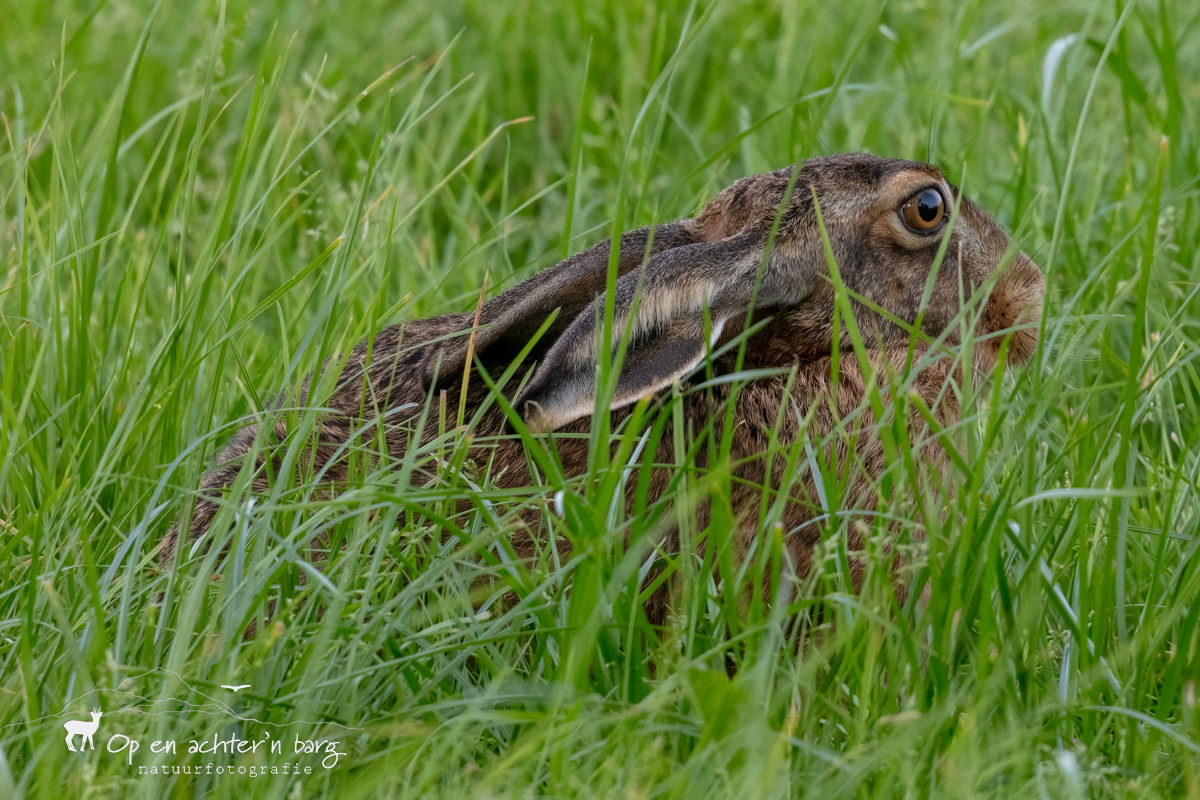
(1014, 305)
(1020, 285)
(1028, 272)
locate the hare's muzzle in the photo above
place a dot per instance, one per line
(1013, 310)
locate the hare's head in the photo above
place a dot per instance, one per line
(886, 220)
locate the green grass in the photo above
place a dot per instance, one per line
(198, 205)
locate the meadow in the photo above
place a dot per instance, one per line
(201, 202)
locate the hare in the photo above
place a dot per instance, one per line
(753, 256)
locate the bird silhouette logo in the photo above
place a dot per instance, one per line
(84, 729)
(237, 688)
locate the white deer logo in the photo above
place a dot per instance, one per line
(82, 728)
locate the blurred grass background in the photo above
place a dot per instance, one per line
(199, 203)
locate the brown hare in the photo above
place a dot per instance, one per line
(683, 301)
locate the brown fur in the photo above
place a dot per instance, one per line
(710, 262)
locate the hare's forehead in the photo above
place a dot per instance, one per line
(906, 179)
(884, 188)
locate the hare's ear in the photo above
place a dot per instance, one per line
(666, 323)
(508, 321)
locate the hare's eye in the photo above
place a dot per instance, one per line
(924, 211)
